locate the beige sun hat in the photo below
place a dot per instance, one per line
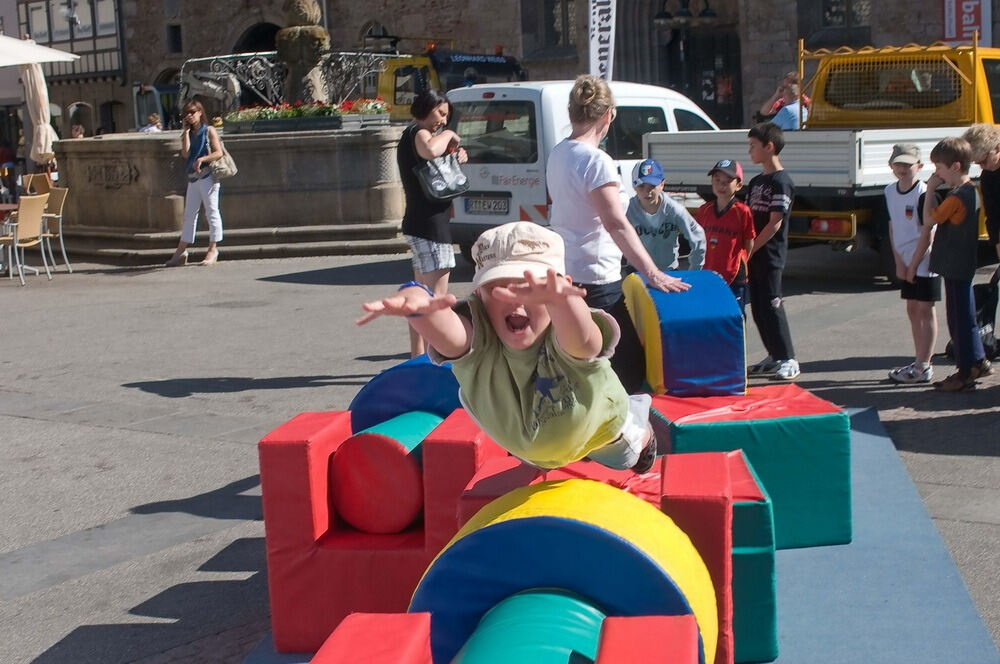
(508, 251)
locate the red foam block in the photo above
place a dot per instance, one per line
(649, 639)
(759, 403)
(379, 638)
(376, 484)
(697, 495)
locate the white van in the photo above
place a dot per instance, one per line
(509, 129)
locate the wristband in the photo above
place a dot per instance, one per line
(427, 290)
(410, 283)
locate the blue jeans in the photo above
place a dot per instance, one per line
(960, 305)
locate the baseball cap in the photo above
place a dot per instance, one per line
(647, 172)
(508, 251)
(904, 153)
(730, 167)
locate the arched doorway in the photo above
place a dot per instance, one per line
(81, 113)
(167, 85)
(259, 37)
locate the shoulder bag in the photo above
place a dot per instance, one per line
(442, 178)
(224, 167)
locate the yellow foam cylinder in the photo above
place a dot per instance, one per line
(618, 514)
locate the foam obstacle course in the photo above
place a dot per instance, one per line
(397, 532)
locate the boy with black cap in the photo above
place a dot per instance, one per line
(659, 220)
(728, 226)
(530, 357)
(905, 201)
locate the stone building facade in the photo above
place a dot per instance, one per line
(728, 62)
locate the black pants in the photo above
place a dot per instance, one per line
(629, 360)
(764, 290)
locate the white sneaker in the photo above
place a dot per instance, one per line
(912, 373)
(788, 370)
(765, 366)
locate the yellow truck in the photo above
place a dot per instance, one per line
(863, 102)
(406, 76)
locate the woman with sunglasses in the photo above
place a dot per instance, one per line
(587, 212)
(200, 146)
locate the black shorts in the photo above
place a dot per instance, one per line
(924, 289)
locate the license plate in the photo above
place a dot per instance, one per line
(484, 205)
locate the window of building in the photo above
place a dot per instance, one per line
(174, 42)
(59, 13)
(559, 23)
(106, 23)
(846, 13)
(38, 22)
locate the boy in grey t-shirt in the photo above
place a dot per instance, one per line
(660, 220)
(530, 357)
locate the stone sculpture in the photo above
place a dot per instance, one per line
(300, 47)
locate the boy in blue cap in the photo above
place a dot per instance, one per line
(659, 220)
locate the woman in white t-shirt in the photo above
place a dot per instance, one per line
(586, 211)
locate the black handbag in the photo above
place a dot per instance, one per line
(442, 178)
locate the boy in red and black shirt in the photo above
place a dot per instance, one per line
(729, 232)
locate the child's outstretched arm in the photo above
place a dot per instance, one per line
(574, 326)
(430, 315)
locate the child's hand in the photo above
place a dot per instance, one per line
(901, 272)
(408, 302)
(550, 290)
(911, 274)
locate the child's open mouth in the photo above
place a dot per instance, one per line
(517, 323)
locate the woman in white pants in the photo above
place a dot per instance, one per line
(200, 146)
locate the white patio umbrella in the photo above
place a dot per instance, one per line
(28, 54)
(26, 51)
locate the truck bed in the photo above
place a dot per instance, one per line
(841, 161)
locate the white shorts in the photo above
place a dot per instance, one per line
(623, 452)
(430, 256)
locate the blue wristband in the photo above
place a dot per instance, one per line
(427, 290)
(411, 283)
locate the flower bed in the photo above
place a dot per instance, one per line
(302, 116)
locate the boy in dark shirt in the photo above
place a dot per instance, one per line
(953, 256)
(770, 200)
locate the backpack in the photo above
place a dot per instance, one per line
(986, 296)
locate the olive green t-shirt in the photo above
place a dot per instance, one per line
(540, 404)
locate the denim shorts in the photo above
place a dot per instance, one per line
(430, 256)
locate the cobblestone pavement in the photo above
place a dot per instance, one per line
(130, 527)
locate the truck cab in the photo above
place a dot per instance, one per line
(406, 76)
(509, 130)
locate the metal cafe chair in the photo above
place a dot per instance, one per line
(52, 223)
(22, 230)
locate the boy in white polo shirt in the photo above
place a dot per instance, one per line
(905, 201)
(530, 357)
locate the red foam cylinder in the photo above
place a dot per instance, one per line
(376, 484)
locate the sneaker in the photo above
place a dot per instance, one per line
(912, 373)
(980, 369)
(788, 370)
(955, 383)
(647, 457)
(765, 366)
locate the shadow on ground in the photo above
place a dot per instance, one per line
(184, 387)
(228, 502)
(372, 273)
(184, 613)
(942, 433)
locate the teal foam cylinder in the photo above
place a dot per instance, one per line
(408, 429)
(541, 626)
